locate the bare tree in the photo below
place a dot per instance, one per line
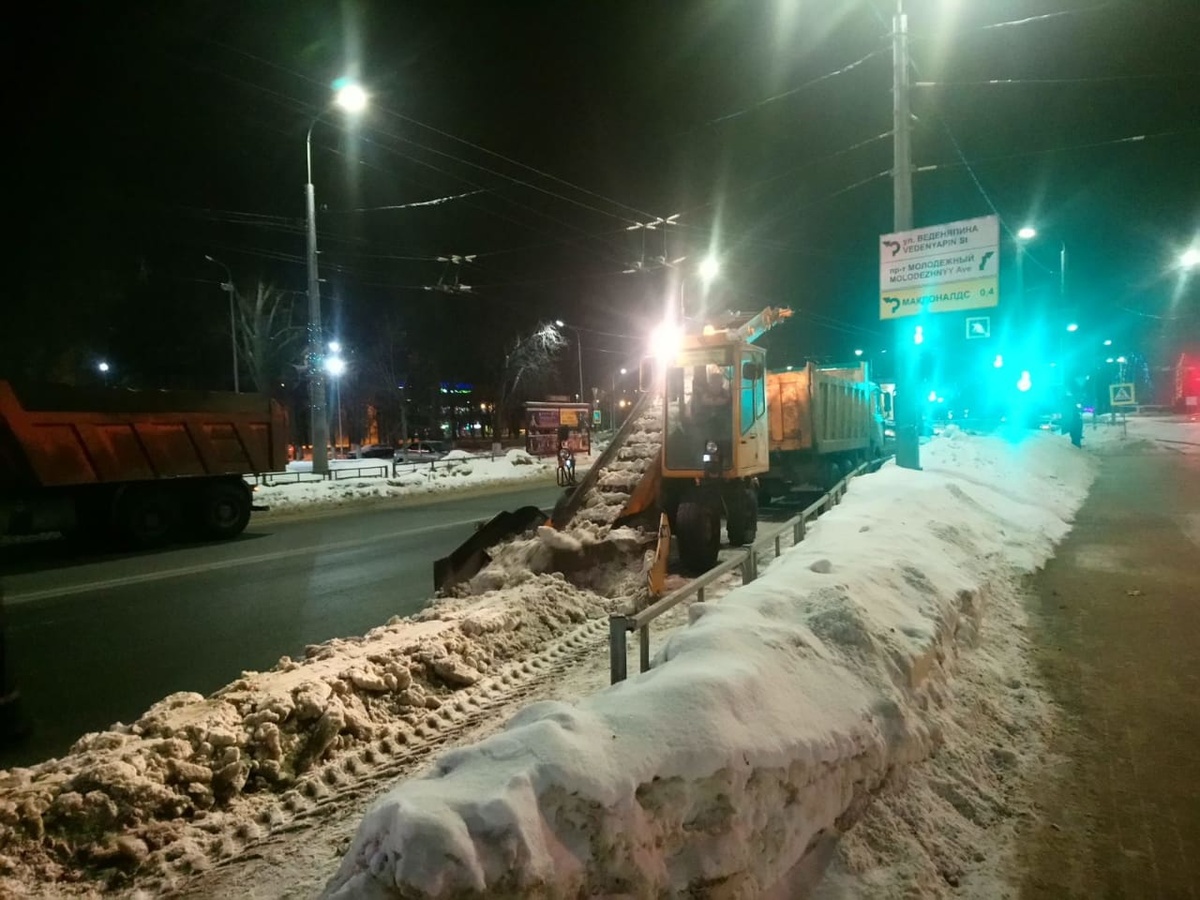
(384, 377)
(529, 366)
(268, 335)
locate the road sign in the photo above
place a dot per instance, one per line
(979, 327)
(1122, 395)
(595, 417)
(943, 268)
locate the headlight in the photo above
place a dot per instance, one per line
(711, 452)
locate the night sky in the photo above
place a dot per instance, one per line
(151, 135)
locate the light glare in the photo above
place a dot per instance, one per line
(710, 268)
(335, 366)
(665, 340)
(352, 98)
(1027, 233)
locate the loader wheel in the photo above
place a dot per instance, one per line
(742, 523)
(698, 530)
(223, 511)
(146, 517)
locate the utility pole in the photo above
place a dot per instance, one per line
(230, 289)
(908, 446)
(316, 350)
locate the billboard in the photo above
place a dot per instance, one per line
(942, 268)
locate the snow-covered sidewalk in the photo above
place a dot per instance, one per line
(363, 480)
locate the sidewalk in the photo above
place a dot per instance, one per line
(1116, 630)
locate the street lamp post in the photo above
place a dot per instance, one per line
(335, 365)
(229, 288)
(103, 369)
(351, 98)
(579, 346)
(1028, 233)
(612, 400)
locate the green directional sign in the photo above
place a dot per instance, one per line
(595, 417)
(1122, 395)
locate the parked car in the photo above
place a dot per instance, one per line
(422, 451)
(377, 451)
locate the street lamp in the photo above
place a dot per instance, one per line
(353, 99)
(612, 400)
(103, 368)
(858, 352)
(1190, 258)
(335, 366)
(579, 346)
(1073, 326)
(229, 288)
(708, 270)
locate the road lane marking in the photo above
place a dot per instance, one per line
(15, 599)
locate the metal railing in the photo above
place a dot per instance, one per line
(620, 625)
(374, 470)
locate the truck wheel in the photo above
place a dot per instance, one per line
(146, 516)
(698, 530)
(224, 510)
(742, 523)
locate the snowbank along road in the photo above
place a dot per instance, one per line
(764, 730)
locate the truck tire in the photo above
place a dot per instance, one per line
(742, 523)
(146, 516)
(698, 530)
(223, 510)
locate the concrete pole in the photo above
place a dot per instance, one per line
(316, 344)
(908, 447)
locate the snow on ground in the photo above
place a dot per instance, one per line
(195, 779)
(457, 470)
(855, 631)
(1178, 433)
(766, 726)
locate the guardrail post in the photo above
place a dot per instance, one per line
(750, 566)
(798, 530)
(644, 648)
(699, 595)
(618, 667)
(778, 545)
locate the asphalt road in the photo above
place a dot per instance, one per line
(95, 640)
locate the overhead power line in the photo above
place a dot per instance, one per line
(791, 92)
(414, 205)
(1131, 139)
(1095, 79)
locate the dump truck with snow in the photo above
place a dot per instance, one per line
(824, 422)
(138, 466)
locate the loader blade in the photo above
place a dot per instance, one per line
(471, 556)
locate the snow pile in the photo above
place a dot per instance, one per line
(946, 828)
(194, 778)
(458, 469)
(765, 728)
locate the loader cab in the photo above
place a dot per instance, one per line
(716, 413)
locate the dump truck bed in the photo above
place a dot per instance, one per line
(57, 436)
(819, 410)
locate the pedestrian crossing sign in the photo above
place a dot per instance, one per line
(1122, 395)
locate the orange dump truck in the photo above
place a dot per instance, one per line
(823, 423)
(139, 466)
